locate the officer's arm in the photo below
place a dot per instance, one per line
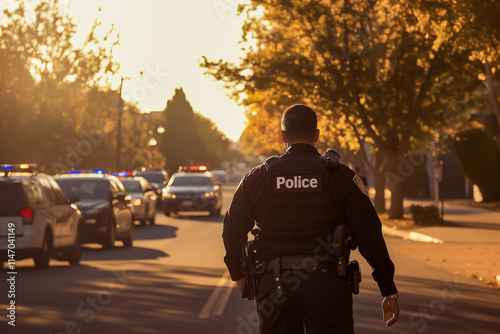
(238, 221)
(365, 227)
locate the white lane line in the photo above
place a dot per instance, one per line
(218, 299)
(224, 297)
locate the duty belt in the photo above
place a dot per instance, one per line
(294, 262)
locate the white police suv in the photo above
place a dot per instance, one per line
(36, 219)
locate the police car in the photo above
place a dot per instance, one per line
(36, 218)
(143, 198)
(105, 206)
(158, 179)
(192, 188)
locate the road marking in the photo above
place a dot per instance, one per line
(216, 304)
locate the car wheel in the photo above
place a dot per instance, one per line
(152, 219)
(42, 259)
(109, 241)
(75, 254)
(166, 210)
(215, 212)
(127, 242)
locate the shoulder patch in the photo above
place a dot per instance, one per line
(360, 184)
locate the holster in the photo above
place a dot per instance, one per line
(342, 245)
(250, 268)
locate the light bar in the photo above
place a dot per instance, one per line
(201, 168)
(98, 171)
(74, 172)
(20, 167)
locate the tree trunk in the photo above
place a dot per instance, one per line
(379, 180)
(379, 192)
(397, 210)
(493, 95)
(492, 92)
(395, 180)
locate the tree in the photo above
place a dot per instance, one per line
(189, 137)
(383, 72)
(55, 99)
(215, 142)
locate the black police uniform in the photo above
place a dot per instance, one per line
(296, 203)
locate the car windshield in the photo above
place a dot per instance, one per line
(132, 186)
(85, 189)
(158, 178)
(220, 177)
(191, 180)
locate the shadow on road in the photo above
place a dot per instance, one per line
(431, 306)
(121, 253)
(198, 218)
(153, 232)
(136, 298)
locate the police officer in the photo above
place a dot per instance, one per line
(295, 203)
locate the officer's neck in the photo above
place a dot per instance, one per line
(297, 143)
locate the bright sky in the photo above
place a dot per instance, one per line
(166, 39)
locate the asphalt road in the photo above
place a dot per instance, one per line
(174, 281)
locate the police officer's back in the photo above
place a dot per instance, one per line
(298, 201)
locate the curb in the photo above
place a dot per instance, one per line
(410, 235)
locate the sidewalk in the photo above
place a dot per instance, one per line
(469, 245)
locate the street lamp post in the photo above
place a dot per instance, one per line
(152, 132)
(119, 130)
(152, 143)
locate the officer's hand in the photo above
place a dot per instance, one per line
(241, 285)
(390, 309)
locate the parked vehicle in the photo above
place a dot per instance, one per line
(105, 206)
(143, 199)
(157, 179)
(36, 218)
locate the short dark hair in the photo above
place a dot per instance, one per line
(299, 122)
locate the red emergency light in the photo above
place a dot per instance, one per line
(201, 168)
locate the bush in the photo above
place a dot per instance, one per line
(479, 157)
(425, 215)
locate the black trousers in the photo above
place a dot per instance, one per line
(312, 302)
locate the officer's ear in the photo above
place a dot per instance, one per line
(316, 137)
(283, 136)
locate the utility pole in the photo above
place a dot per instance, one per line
(119, 132)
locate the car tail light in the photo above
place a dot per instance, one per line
(28, 215)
